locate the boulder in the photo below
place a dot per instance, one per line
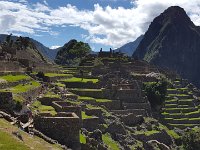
(116, 127)
(132, 120)
(97, 135)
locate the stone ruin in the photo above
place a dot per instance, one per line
(63, 127)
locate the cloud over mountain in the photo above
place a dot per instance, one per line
(104, 25)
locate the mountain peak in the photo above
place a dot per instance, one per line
(171, 41)
(173, 14)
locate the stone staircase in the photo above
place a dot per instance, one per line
(181, 108)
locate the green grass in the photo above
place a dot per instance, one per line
(112, 145)
(58, 75)
(51, 95)
(8, 142)
(84, 116)
(18, 98)
(84, 80)
(103, 100)
(85, 98)
(82, 139)
(43, 108)
(60, 84)
(87, 90)
(24, 88)
(14, 78)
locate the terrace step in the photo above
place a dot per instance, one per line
(180, 110)
(183, 126)
(183, 121)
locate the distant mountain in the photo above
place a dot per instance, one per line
(130, 47)
(47, 52)
(173, 41)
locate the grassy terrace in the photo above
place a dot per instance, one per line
(112, 145)
(84, 80)
(85, 98)
(43, 108)
(14, 78)
(51, 95)
(58, 75)
(9, 142)
(87, 90)
(20, 88)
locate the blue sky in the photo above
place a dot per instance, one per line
(101, 23)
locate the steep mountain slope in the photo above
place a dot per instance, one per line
(47, 52)
(173, 41)
(130, 47)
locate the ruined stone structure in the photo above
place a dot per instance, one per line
(61, 106)
(63, 127)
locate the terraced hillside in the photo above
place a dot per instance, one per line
(181, 107)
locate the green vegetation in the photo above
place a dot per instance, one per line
(8, 142)
(14, 78)
(43, 108)
(191, 140)
(156, 92)
(72, 52)
(51, 95)
(24, 88)
(112, 145)
(84, 116)
(58, 75)
(74, 79)
(82, 138)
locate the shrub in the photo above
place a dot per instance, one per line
(156, 92)
(191, 140)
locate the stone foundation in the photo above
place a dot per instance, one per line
(91, 123)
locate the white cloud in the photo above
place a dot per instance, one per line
(108, 26)
(54, 47)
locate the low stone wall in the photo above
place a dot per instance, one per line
(145, 106)
(48, 100)
(95, 94)
(87, 85)
(63, 127)
(91, 123)
(61, 106)
(133, 111)
(161, 137)
(113, 105)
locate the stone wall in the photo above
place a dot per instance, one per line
(96, 112)
(87, 85)
(133, 111)
(113, 105)
(9, 66)
(6, 100)
(48, 100)
(91, 123)
(63, 127)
